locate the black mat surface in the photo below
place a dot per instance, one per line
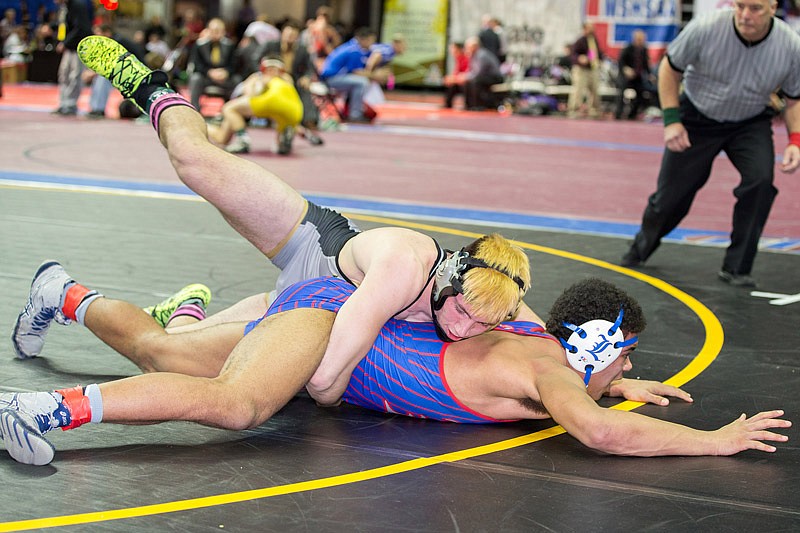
(395, 475)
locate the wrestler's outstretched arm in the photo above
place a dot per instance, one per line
(627, 433)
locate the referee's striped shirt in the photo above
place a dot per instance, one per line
(729, 79)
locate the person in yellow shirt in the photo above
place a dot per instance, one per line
(268, 94)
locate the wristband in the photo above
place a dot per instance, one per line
(671, 115)
(794, 138)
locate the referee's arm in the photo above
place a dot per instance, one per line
(791, 156)
(676, 138)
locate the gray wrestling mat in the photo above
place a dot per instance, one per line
(348, 469)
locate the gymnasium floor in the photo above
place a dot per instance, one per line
(102, 198)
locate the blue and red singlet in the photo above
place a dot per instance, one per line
(403, 373)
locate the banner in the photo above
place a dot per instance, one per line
(423, 23)
(704, 6)
(616, 20)
(536, 31)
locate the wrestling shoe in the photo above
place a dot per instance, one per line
(24, 418)
(239, 145)
(285, 140)
(44, 306)
(163, 311)
(114, 62)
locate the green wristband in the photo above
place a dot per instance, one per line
(671, 115)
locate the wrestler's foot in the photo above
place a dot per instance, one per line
(44, 306)
(313, 138)
(239, 145)
(196, 293)
(285, 140)
(25, 418)
(114, 62)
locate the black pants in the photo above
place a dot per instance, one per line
(478, 92)
(450, 92)
(644, 92)
(750, 148)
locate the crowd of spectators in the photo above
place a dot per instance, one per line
(214, 58)
(479, 66)
(207, 57)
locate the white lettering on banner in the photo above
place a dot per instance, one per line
(641, 9)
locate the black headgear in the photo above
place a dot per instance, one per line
(449, 282)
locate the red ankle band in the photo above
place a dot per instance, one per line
(75, 295)
(78, 405)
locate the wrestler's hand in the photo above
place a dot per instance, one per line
(676, 138)
(642, 390)
(749, 433)
(791, 159)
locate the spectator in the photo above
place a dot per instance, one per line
(490, 39)
(586, 61)
(261, 31)
(484, 71)
(634, 73)
(269, 94)
(7, 24)
(74, 23)
(381, 54)
(157, 50)
(155, 27)
(44, 39)
(212, 62)
(497, 27)
(344, 70)
(244, 17)
(454, 81)
(258, 36)
(728, 62)
(321, 37)
(15, 46)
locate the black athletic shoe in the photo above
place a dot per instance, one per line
(631, 259)
(737, 280)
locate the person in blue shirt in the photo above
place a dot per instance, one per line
(344, 71)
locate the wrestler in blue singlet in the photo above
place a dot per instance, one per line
(404, 371)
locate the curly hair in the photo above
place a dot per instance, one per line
(591, 299)
(494, 293)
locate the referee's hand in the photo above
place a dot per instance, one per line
(676, 138)
(791, 159)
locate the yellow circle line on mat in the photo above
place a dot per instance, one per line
(708, 352)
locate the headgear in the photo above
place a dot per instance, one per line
(595, 344)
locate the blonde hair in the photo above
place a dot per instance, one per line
(495, 293)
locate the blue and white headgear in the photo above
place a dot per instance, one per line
(595, 344)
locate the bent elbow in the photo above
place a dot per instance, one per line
(322, 389)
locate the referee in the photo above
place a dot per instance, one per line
(731, 62)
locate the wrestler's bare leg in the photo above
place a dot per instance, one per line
(264, 371)
(255, 202)
(138, 337)
(234, 114)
